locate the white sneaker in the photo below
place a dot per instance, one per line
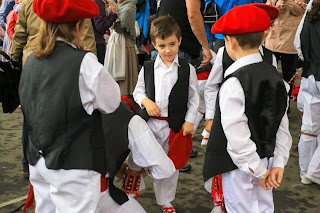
(313, 178)
(204, 141)
(306, 182)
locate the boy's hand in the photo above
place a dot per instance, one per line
(187, 128)
(208, 125)
(263, 182)
(152, 108)
(275, 177)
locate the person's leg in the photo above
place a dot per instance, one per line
(25, 141)
(288, 63)
(41, 189)
(314, 166)
(101, 52)
(107, 204)
(72, 190)
(165, 189)
(238, 191)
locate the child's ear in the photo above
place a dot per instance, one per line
(180, 39)
(232, 41)
(78, 26)
(154, 44)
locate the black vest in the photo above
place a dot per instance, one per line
(115, 128)
(264, 106)
(227, 61)
(178, 98)
(60, 129)
(178, 10)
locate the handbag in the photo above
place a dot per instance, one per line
(210, 14)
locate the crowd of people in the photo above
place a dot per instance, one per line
(95, 110)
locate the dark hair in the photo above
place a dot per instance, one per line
(314, 14)
(249, 40)
(163, 27)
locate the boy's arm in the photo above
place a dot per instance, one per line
(281, 151)
(240, 147)
(212, 86)
(193, 96)
(139, 92)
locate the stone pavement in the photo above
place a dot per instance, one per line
(291, 197)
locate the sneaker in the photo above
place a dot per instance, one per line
(168, 209)
(194, 153)
(313, 178)
(25, 173)
(186, 168)
(306, 182)
(204, 141)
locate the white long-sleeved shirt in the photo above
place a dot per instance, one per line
(98, 90)
(215, 78)
(297, 42)
(240, 147)
(164, 80)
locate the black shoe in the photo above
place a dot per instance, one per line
(194, 153)
(25, 173)
(186, 168)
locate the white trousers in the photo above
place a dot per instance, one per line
(108, 205)
(309, 149)
(202, 104)
(243, 193)
(164, 189)
(69, 191)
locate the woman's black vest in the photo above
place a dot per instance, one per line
(178, 10)
(178, 98)
(265, 105)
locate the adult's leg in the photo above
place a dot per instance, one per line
(25, 141)
(288, 63)
(101, 52)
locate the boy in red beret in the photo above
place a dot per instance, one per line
(167, 92)
(249, 141)
(63, 92)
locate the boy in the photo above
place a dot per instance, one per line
(167, 92)
(250, 134)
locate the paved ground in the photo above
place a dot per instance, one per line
(292, 197)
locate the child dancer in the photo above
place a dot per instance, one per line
(250, 134)
(167, 93)
(63, 91)
(309, 98)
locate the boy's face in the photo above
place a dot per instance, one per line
(167, 48)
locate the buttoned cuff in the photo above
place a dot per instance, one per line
(209, 114)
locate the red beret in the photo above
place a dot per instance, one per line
(272, 11)
(242, 19)
(61, 11)
(180, 149)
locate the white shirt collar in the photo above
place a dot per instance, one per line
(249, 59)
(72, 45)
(159, 61)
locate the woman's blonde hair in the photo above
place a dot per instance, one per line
(50, 31)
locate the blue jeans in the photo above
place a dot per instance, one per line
(25, 141)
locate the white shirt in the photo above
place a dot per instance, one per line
(164, 80)
(240, 147)
(215, 78)
(98, 90)
(297, 42)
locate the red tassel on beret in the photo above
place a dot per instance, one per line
(242, 19)
(272, 11)
(61, 11)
